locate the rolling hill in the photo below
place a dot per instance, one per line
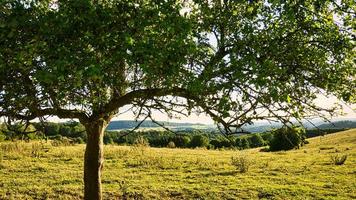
(255, 128)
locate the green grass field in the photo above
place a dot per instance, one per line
(42, 171)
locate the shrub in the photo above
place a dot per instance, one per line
(62, 141)
(256, 140)
(65, 130)
(199, 141)
(17, 131)
(242, 143)
(108, 140)
(171, 145)
(242, 163)
(55, 137)
(33, 136)
(79, 140)
(210, 146)
(160, 141)
(2, 137)
(267, 137)
(338, 159)
(141, 142)
(51, 129)
(181, 140)
(221, 142)
(215, 143)
(287, 138)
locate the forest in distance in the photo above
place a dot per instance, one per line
(254, 128)
(182, 135)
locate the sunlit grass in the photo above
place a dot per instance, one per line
(40, 171)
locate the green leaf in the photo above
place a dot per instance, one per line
(288, 99)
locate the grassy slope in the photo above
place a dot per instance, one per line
(28, 172)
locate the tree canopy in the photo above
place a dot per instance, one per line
(237, 61)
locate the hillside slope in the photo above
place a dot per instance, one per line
(338, 124)
(42, 171)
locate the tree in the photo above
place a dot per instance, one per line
(287, 138)
(199, 141)
(256, 140)
(181, 140)
(243, 143)
(237, 61)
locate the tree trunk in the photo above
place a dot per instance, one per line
(93, 159)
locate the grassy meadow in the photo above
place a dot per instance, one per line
(40, 170)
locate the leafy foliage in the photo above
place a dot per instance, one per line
(256, 140)
(243, 143)
(287, 138)
(199, 141)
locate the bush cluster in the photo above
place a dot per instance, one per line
(287, 138)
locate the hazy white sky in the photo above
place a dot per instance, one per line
(350, 112)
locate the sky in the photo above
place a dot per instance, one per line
(349, 113)
(349, 110)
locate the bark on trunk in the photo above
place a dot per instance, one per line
(93, 160)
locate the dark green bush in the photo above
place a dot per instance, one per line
(199, 141)
(55, 137)
(78, 140)
(159, 141)
(215, 143)
(51, 129)
(287, 138)
(108, 140)
(222, 142)
(181, 140)
(267, 137)
(256, 140)
(242, 143)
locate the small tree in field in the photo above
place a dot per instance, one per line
(236, 61)
(245, 144)
(287, 138)
(256, 140)
(199, 141)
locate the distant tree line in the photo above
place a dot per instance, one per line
(338, 125)
(279, 139)
(72, 131)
